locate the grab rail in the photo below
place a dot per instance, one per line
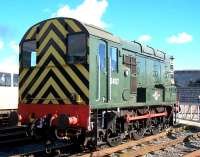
(110, 79)
(99, 83)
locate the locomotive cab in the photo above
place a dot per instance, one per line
(54, 73)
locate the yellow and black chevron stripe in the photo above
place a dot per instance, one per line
(53, 81)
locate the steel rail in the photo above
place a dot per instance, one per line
(131, 143)
(155, 147)
(193, 154)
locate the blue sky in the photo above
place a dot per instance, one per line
(169, 25)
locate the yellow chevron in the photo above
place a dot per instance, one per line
(58, 74)
(27, 82)
(52, 35)
(57, 89)
(34, 101)
(73, 25)
(83, 71)
(22, 74)
(43, 29)
(53, 51)
(31, 32)
(60, 27)
(51, 98)
(77, 80)
(64, 81)
(36, 84)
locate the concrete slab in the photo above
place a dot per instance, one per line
(188, 122)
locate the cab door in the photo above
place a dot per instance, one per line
(102, 61)
(113, 74)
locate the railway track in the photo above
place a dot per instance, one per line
(193, 154)
(14, 141)
(13, 134)
(155, 145)
(36, 149)
(145, 149)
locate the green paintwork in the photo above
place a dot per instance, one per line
(150, 71)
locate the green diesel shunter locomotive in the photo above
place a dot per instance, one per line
(90, 85)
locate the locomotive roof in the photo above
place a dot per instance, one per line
(131, 45)
(99, 32)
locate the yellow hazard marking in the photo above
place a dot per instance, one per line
(52, 35)
(28, 80)
(31, 32)
(51, 51)
(83, 70)
(77, 80)
(72, 24)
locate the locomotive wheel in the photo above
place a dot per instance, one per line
(114, 141)
(60, 134)
(138, 134)
(166, 123)
(34, 132)
(155, 130)
(90, 143)
(155, 126)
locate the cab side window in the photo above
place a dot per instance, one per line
(102, 51)
(113, 56)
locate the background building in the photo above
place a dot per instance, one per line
(188, 85)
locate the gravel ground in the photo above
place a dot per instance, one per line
(177, 150)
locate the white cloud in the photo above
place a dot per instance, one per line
(181, 38)
(14, 46)
(1, 44)
(144, 38)
(10, 64)
(90, 11)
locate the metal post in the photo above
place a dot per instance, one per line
(198, 113)
(198, 108)
(184, 112)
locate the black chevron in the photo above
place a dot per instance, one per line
(52, 91)
(28, 73)
(80, 75)
(56, 31)
(65, 74)
(51, 42)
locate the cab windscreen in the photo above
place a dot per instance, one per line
(29, 54)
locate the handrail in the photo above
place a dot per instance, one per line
(110, 79)
(99, 81)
